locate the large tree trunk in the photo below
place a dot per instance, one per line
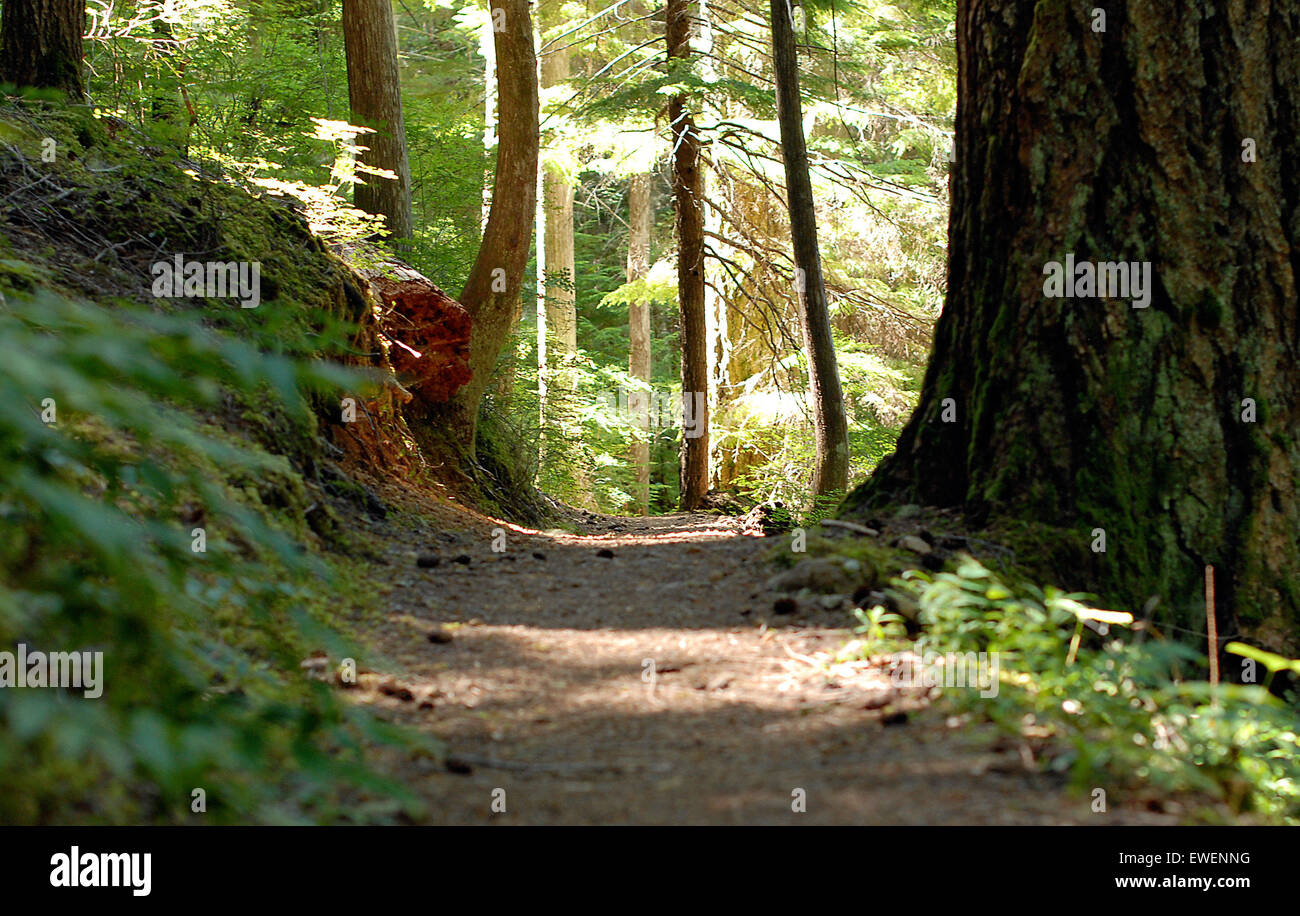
(1132, 144)
(830, 426)
(640, 219)
(688, 195)
(497, 277)
(40, 44)
(375, 94)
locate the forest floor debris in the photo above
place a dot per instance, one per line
(664, 689)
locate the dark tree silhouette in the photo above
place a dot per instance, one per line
(40, 44)
(1158, 133)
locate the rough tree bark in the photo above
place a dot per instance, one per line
(40, 44)
(375, 95)
(1172, 138)
(497, 277)
(688, 194)
(640, 219)
(830, 426)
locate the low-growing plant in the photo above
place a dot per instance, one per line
(1106, 704)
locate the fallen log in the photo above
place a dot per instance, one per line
(426, 330)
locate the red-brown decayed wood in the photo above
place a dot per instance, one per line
(428, 332)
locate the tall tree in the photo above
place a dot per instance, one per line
(495, 282)
(640, 219)
(561, 292)
(40, 44)
(1162, 410)
(688, 201)
(375, 94)
(167, 97)
(830, 426)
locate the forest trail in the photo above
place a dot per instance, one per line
(544, 689)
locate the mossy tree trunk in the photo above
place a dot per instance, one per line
(40, 44)
(1166, 133)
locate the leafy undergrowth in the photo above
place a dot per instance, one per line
(162, 502)
(1089, 695)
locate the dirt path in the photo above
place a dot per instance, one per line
(656, 686)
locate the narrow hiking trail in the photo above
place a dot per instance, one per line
(636, 674)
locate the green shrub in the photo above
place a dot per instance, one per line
(98, 516)
(1116, 707)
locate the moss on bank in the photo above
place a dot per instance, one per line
(181, 512)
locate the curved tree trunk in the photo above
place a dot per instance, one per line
(375, 94)
(1171, 138)
(830, 426)
(688, 195)
(497, 277)
(40, 44)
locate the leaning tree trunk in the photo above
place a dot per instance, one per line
(640, 219)
(830, 426)
(688, 198)
(375, 94)
(1171, 137)
(40, 44)
(497, 277)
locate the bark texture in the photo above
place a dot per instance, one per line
(428, 332)
(830, 426)
(1126, 145)
(40, 44)
(688, 195)
(375, 95)
(494, 283)
(640, 219)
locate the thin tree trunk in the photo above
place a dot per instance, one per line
(831, 475)
(40, 44)
(1170, 426)
(497, 277)
(561, 315)
(488, 45)
(640, 219)
(375, 94)
(167, 99)
(543, 369)
(688, 194)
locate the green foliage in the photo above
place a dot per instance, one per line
(262, 90)
(877, 628)
(99, 511)
(1113, 706)
(125, 430)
